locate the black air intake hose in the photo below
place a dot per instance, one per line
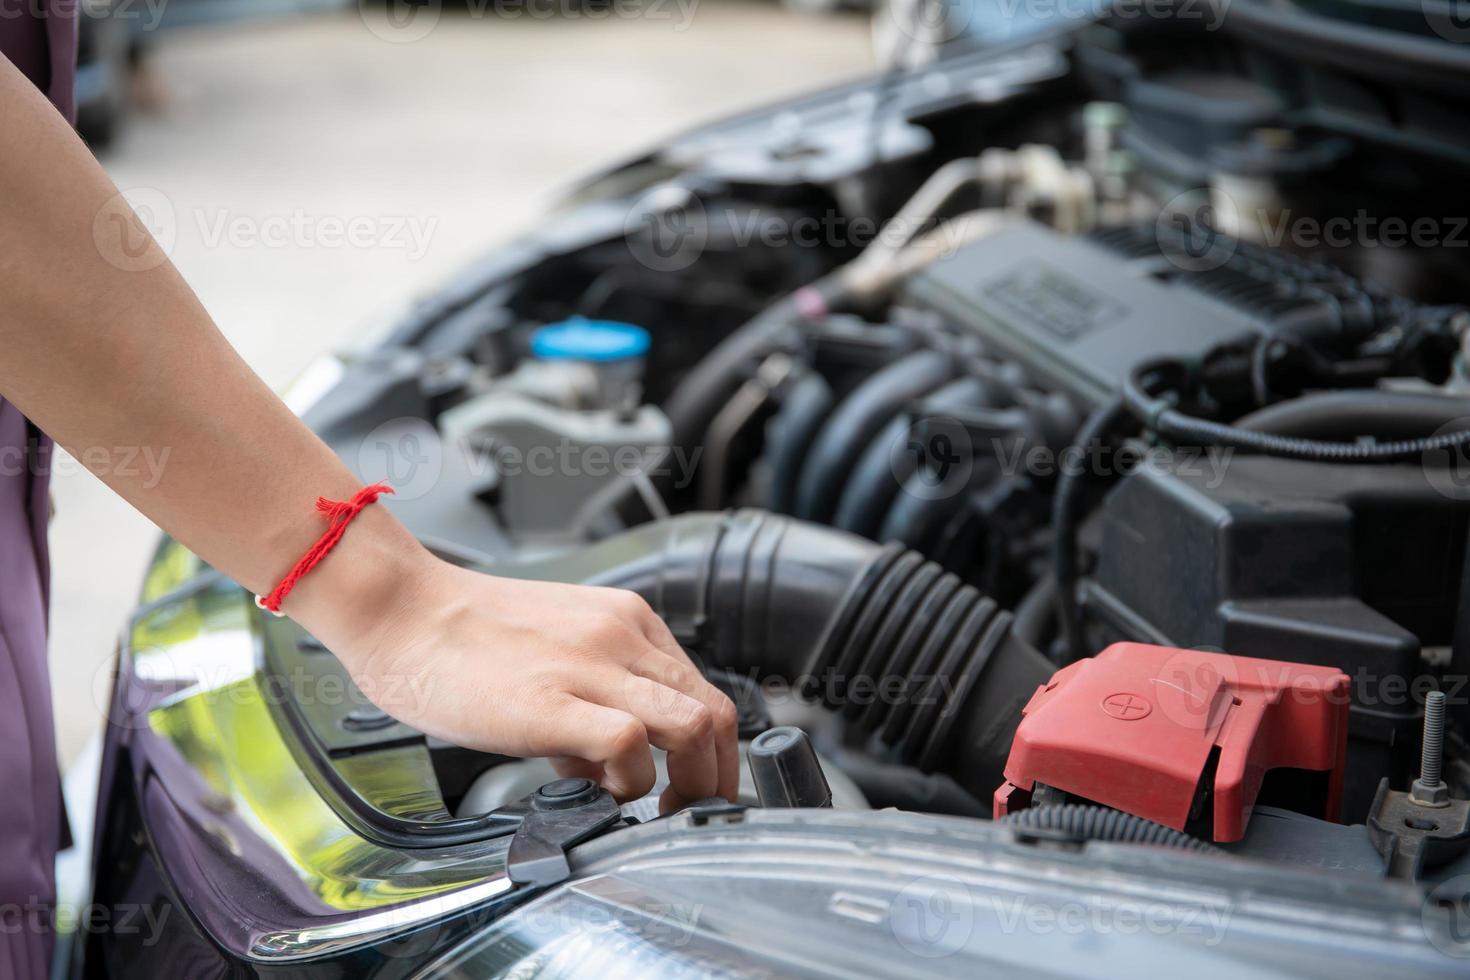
(893, 641)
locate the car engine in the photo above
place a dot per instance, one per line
(1064, 399)
(1068, 435)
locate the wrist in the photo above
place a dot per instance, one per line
(374, 572)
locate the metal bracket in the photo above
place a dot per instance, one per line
(1414, 838)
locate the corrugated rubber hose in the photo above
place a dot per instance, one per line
(1104, 824)
(901, 647)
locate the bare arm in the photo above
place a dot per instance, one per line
(105, 347)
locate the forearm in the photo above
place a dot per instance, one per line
(111, 353)
(104, 346)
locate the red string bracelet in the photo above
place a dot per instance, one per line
(339, 514)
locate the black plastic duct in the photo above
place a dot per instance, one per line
(898, 645)
(887, 463)
(791, 433)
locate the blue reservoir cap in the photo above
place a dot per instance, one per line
(579, 339)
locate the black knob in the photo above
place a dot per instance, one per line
(366, 718)
(563, 794)
(786, 770)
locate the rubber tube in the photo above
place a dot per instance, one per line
(881, 634)
(1066, 516)
(886, 784)
(1101, 823)
(854, 423)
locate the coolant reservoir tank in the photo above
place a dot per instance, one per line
(565, 433)
(614, 350)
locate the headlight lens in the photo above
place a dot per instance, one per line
(610, 926)
(804, 905)
(833, 893)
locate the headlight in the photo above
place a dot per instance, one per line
(827, 893)
(731, 925)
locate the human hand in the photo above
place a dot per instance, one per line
(590, 677)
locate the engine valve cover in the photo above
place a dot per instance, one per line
(1161, 733)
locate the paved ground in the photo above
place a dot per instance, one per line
(275, 137)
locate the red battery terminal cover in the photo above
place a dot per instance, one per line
(1135, 728)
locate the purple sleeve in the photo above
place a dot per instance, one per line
(45, 50)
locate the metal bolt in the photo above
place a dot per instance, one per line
(1430, 764)
(1429, 789)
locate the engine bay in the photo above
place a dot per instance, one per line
(1069, 435)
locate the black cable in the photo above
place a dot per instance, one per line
(1260, 371)
(1066, 514)
(1104, 824)
(1355, 413)
(1160, 416)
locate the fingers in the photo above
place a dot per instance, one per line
(675, 722)
(683, 727)
(681, 677)
(661, 636)
(602, 743)
(676, 670)
(636, 687)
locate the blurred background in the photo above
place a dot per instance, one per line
(313, 165)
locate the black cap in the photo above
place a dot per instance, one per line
(786, 770)
(564, 794)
